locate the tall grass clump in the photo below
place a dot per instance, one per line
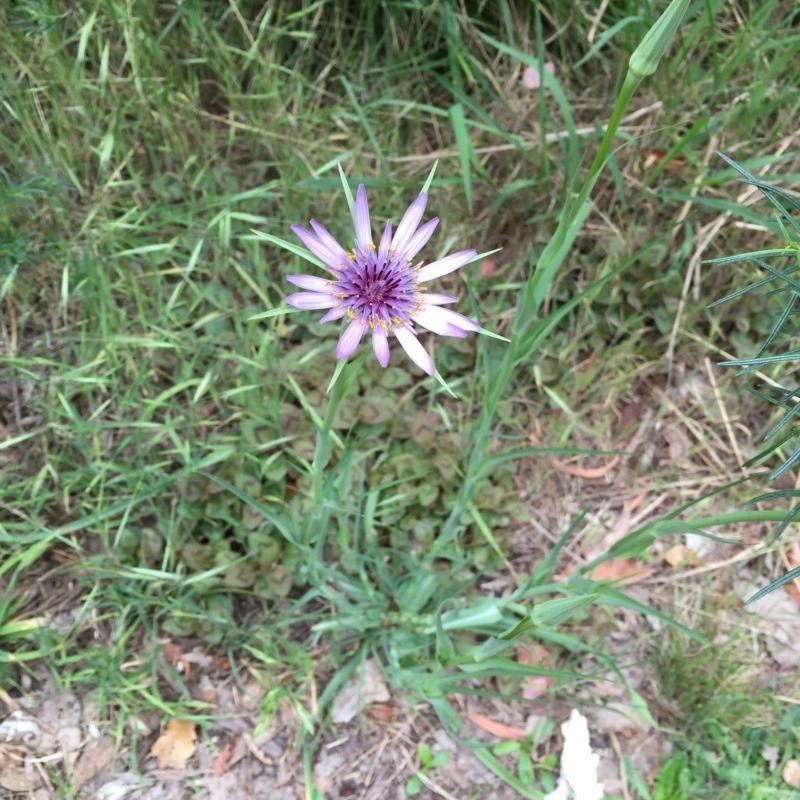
(778, 265)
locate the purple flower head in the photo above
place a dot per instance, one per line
(380, 288)
(531, 77)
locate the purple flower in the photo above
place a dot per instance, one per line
(531, 77)
(380, 289)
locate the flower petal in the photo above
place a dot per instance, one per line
(311, 301)
(531, 77)
(380, 345)
(386, 243)
(312, 283)
(415, 351)
(420, 238)
(445, 322)
(361, 220)
(434, 299)
(430, 320)
(327, 239)
(348, 342)
(444, 265)
(330, 258)
(408, 225)
(335, 313)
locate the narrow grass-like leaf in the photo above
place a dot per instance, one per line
(351, 203)
(429, 180)
(367, 126)
(464, 146)
(605, 38)
(273, 312)
(292, 247)
(776, 584)
(782, 252)
(618, 599)
(554, 612)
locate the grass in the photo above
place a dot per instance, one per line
(158, 463)
(732, 736)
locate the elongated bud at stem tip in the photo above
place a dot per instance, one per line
(645, 58)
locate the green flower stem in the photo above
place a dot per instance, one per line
(529, 330)
(524, 338)
(569, 224)
(343, 380)
(527, 322)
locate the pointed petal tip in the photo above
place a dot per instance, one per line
(361, 220)
(408, 224)
(445, 322)
(420, 238)
(415, 351)
(445, 265)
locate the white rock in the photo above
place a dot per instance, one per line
(578, 780)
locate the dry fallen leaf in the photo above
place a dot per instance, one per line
(119, 787)
(534, 655)
(653, 157)
(589, 473)
(208, 696)
(498, 729)
(381, 712)
(681, 554)
(18, 774)
(95, 758)
(791, 773)
(176, 745)
(624, 570)
(368, 686)
(629, 418)
(223, 759)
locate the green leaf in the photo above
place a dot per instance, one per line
(464, 146)
(424, 752)
(292, 247)
(554, 612)
(776, 584)
(351, 203)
